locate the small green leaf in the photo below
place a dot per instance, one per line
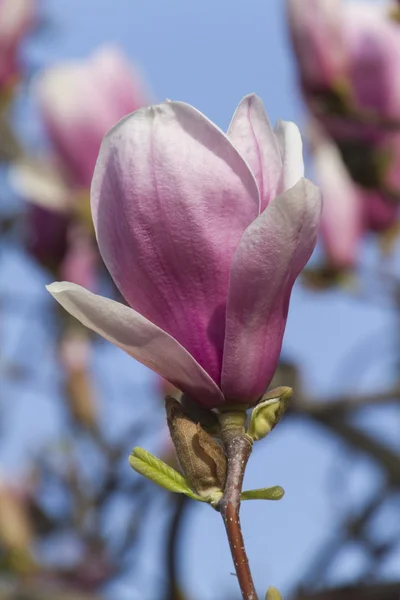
(271, 493)
(273, 594)
(158, 471)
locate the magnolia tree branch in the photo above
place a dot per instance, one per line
(316, 408)
(181, 505)
(238, 451)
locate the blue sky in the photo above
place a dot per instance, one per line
(210, 55)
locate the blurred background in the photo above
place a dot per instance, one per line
(76, 523)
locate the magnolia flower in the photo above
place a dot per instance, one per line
(16, 17)
(349, 59)
(348, 46)
(204, 233)
(342, 218)
(318, 41)
(80, 101)
(349, 210)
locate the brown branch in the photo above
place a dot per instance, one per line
(381, 591)
(344, 403)
(238, 451)
(181, 504)
(389, 460)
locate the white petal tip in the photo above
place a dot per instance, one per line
(56, 287)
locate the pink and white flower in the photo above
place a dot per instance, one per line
(351, 46)
(349, 210)
(204, 233)
(80, 101)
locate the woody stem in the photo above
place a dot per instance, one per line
(238, 449)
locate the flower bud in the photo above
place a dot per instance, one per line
(202, 460)
(273, 594)
(268, 412)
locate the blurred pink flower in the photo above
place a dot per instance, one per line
(81, 101)
(16, 18)
(380, 213)
(81, 258)
(318, 41)
(349, 210)
(342, 218)
(348, 47)
(204, 234)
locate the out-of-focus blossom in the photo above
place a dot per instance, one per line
(348, 52)
(357, 104)
(80, 102)
(16, 18)
(318, 41)
(204, 234)
(342, 220)
(349, 210)
(81, 258)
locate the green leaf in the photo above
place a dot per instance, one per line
(158, 471)
(273, 594)
(271, 493)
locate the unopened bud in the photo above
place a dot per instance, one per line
(273, 594)
(267, 413)
(201, 458)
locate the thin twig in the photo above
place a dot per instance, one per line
(347, 402)
(181, 504)
(238, 451)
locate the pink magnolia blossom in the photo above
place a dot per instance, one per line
(349, 210)
(16, 17)
(80, 101)
(380, 213)
(318, 41)
(204, 233)
(348, 45)
(342, 214)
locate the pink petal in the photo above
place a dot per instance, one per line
(140, 338)
(317, 33)
(251, 133)
(380, 212)
(81, 262)
(125, 84)
(291, 148)
(373, 45)
(81, 101)
(15, 18)
(271, 254)
(171, 198)
(341, 224)
(41, 183)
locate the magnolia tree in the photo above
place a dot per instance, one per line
(196, 237)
